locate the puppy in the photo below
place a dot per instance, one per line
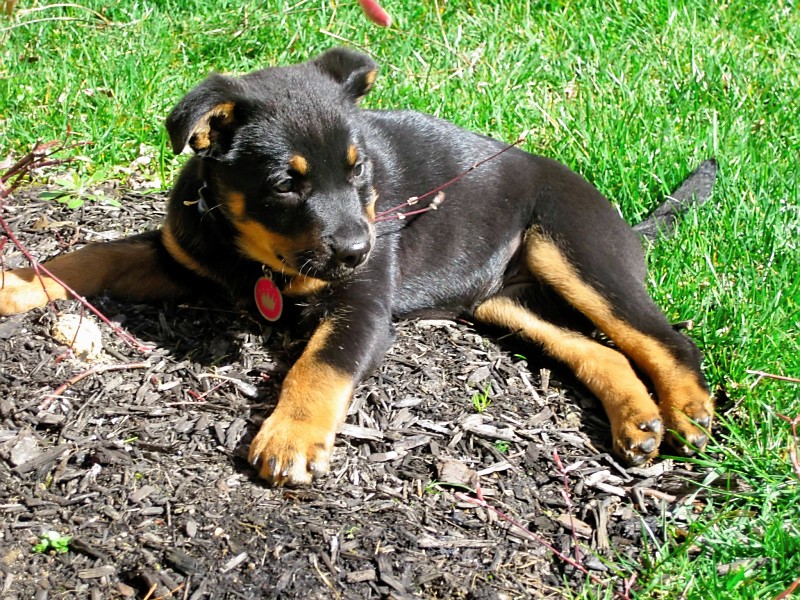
(282, 203)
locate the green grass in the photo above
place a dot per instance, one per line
(631, 94)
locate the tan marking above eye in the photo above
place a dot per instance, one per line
(352, 155)
(299, 164)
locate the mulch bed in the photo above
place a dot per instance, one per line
(145, 465)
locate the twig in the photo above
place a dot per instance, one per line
(565, 494)
(38, 157)
(793, 451)
(170, 593)
(788, 591)
(481, 502)
(39, 269)
(763, 375)
(387, 215)
(93, 371)
(35, 159)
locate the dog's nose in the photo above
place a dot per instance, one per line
(351, 253)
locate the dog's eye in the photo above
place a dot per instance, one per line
(285, 185)
(358, 169)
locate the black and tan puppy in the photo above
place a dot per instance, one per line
(280, 201)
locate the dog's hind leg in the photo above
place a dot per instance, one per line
(137, 268)
(583, 250)
(636, 424)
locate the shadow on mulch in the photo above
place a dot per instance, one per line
(146, 468)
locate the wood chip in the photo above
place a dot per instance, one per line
(234, 562)
(43, 459)
(413, 441)
(142, 493)
(456, 472)
(360, 433)
(581, 528)
(97, 572)
(429, 542)
(361, 576)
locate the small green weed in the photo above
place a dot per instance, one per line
(53, 541)
(481, 400)
(502, 447)
(432, 487)
(74, 190)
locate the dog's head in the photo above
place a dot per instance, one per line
(284, 157)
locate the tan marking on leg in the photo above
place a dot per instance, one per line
(299, 164)
(682, 397)
(295, 443)
(634, 417)
(126, 269)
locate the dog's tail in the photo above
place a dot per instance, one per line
(694, 191)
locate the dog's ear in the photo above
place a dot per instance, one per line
(207, 117)
(355, 71)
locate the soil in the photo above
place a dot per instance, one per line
(143, 461)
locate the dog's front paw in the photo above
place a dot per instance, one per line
(637, 438)
(291, 452)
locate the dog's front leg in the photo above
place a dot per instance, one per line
(295, 443)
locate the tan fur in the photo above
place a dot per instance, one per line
(259, 243)
(127, 269)
(180, 255)
(606, 373)
(299, 164)
(352, 155)
(295, 443)
(201, 137)
(682, 398)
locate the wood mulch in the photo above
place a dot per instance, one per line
(143, 462)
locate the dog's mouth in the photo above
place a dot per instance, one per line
(325, 264)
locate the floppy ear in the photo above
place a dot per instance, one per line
(206, 118)
(355, 71)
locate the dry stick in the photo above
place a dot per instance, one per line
(479, 501)
(93, 371)
(34, 159)
(788, 591)
(170, 593)
(793, 451)
(763, 375)
(39, 269)
(565, 494)
(387, 214)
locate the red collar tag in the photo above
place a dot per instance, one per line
(269, 300)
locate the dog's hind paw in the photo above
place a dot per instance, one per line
(689, 428)
(21, 290)
(637, 441)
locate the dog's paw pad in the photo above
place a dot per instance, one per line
(689, 427)
(637, 441)
(687, 437)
